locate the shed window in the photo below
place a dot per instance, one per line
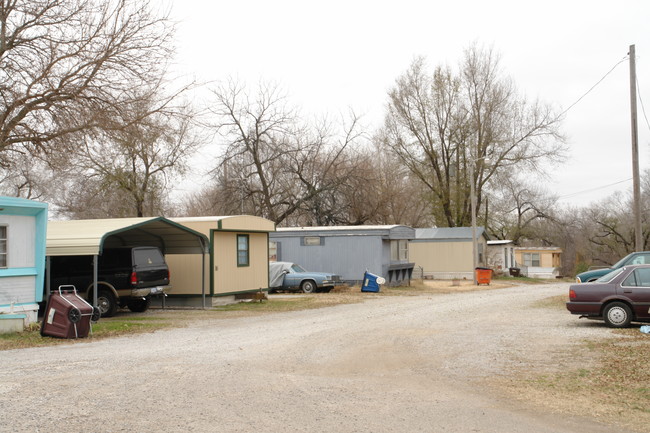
(399, 250)
(243, 250)
(3, 246)
(531, 259)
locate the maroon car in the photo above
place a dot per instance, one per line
(619, 297)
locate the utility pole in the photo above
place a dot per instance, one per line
(638, 235)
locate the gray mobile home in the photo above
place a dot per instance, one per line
(347, 251)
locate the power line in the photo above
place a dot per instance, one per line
(641, 101)
(592, 87)
(594, 189)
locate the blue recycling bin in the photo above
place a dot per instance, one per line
(371, 282)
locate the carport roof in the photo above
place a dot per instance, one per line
(89, 237)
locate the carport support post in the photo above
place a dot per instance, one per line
(203, 275)
(48, 269)
(95, 277)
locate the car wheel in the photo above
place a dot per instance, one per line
(139, 305)
(106, 303)
(308, 287)
(617, 315)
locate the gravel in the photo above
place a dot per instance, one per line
(390, 364)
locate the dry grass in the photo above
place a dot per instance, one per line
(608, 379)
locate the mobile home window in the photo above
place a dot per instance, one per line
(3, 246)
(243, 251)
(399, 250)
(531, 259)
(311, 241)
(273, 251)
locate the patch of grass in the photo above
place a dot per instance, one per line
(112, 327)
(108, 327)
(276, 305)
(555, 302)
(616, 387)
(523, 280)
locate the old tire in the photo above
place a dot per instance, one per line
(617, 315)
(308, 286)
(139, 305)
(106, 303)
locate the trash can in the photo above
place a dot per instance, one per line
(483, 276)
(68, 315)
(515, 272)
(371, 282)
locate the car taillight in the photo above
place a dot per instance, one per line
(169, 275)
(572, 294)
(134, 279)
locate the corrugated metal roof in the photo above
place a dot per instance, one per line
(233, 222)
(390, 231)
(441, 233)
(499, 242)
(89, 237)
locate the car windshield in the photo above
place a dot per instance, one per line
(610, 276)
(297, 268)
(621, 262)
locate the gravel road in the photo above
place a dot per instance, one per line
(390, 364)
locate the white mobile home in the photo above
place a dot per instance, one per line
(23, 226)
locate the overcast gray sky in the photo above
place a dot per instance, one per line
(338, 54)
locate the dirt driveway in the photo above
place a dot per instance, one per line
(390, 364)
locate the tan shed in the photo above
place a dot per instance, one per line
(238, 261)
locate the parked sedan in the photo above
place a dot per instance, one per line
(620, 297)
(290, 276)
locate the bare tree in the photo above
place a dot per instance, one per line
(444, 126)
(68, 65)
(28, 177)
(517, 205)
(130, 167)
(275, 164)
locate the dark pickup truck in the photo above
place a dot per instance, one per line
(127, 277)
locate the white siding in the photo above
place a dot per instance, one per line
(21, 233)
(17, 290)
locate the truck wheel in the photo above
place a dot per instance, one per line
(139, 305)
(106, 303)
(308, 286)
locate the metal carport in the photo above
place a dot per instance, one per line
(90, 237)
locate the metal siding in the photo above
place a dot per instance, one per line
(228, 277)
(17, 290)
(347, 256)
(244, 223)
(442, 256)
(185, 273)
(402, 232)
(21, 242)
